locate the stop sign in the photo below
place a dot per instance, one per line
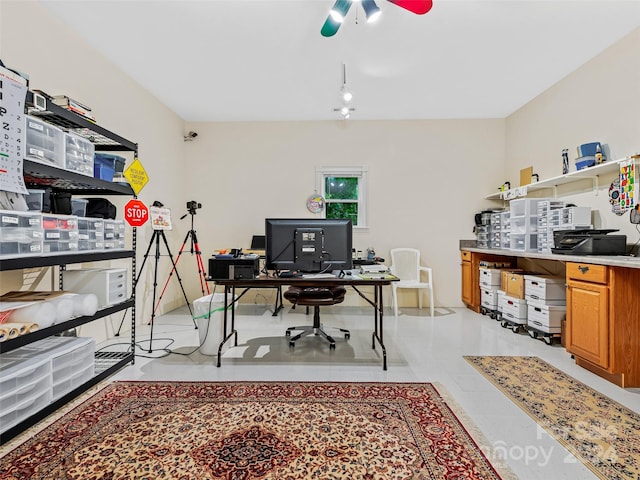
(136, 213)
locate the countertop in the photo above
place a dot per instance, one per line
(610, 260)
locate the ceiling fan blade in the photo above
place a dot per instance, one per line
(419, 7)
(331, 25)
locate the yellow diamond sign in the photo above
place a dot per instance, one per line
(136, 176)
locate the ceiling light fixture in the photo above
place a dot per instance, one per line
(346, 96)
(371, 10)
(340, 9)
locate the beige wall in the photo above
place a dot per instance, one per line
(598, 102)
(425, 179)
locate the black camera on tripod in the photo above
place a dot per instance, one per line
(192, 206)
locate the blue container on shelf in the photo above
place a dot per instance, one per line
(589, 149)
(105, 165)
(584, 162)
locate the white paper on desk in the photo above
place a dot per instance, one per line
(13, 93)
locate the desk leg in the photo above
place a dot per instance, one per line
(378, 320)
(279, 305)
(225, 321)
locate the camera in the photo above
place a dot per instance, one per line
(192, 206)
(190, 136)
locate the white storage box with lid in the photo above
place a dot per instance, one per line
(20, 233)
(79, 153)
(542, 290)
(45, 142)
(489, 298)
(25, 388)
(60, 233)
(513, 309)
(108, 284)
(489, 277)
(546, 318)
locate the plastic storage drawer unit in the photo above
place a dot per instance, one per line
(109, 284)
(45, 143)
(90, 233)
(25, 387)
(20, 233)
(79, 154)
(114, 234)
(60, 233)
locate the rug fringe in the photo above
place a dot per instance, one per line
(476, 434)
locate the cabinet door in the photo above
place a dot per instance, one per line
(588, 322)
(467, 283)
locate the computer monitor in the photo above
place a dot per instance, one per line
(308, 245)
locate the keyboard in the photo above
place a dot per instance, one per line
(319, 275)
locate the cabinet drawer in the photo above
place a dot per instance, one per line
(587, 272)
(466, 256)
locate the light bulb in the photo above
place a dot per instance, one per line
(336, 16)
(344, 111)
(347, 96)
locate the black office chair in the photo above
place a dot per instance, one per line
(315, 297)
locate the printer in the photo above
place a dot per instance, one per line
(229, 267)
(589, 242)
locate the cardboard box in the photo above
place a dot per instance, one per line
(515, 284)
(504, 277)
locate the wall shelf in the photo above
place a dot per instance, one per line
(592, 173)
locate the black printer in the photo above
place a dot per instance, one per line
(589, 242)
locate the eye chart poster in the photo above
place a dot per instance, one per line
(628, 185)
(13, 92)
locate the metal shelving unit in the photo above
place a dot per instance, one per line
(38, 175)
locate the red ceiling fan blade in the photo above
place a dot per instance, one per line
(419, 7)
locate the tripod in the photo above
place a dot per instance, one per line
(157, 235)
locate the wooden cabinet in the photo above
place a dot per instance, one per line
(587, 334)
(471, 274)
(466, 278)
(603, 321)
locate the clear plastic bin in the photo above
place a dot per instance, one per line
(45, 142)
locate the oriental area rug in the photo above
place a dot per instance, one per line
(253, 430)
(598, 431)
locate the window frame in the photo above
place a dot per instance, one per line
(361, 173)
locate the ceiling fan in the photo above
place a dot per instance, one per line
(372, 11)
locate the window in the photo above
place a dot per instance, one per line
(344, 190)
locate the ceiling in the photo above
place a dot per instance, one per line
(265, 60)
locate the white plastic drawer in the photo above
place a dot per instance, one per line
(66, 365)
(17, 371)
(109, 285)
(70, 383)
(24, 410)
(44, 142)
(10, 400)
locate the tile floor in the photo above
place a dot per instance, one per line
(419, 348)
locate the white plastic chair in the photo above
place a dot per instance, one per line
(405, 264)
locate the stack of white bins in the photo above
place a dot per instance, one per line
(489, 286)
(33, 376)
(546, 306)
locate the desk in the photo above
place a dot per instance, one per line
(263, 281)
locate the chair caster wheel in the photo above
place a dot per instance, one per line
(347, 336)
(287, 333)
(332, 346)
(292, 344)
